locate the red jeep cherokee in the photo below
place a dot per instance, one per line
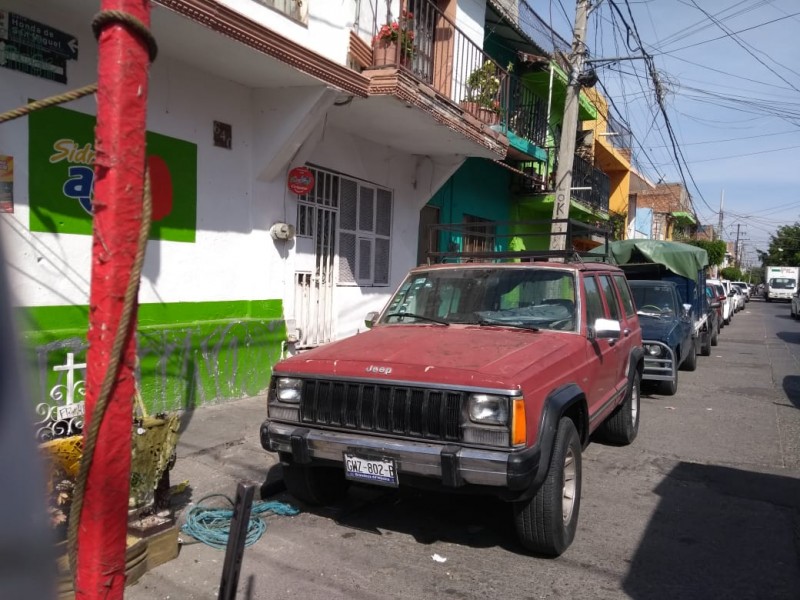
(478, 376)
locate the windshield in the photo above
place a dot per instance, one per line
(654, 300)
(782, 283)
(531, 298)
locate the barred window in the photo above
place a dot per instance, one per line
(364, 234)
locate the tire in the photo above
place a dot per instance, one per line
(715, 337)
(690, 362)
(668, 388)
(547, 522)
(316, 486)
(623, 424)
(705, 347)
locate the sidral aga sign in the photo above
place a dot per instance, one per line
(300, 180)
(61, 155)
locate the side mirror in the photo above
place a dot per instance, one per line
(605, 329)
(370, 319)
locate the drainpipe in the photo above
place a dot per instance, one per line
(123, 65)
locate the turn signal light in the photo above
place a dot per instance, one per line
(519, 431)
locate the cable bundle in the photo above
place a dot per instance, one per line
(212, 525)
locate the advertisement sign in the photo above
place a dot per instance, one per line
(300, 180)
(6, 184)
(61, 156)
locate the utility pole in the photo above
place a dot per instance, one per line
(719, 229)
(569, 129)
(736, 247)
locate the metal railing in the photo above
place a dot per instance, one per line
(526, 114)
(619, 134)
(514, 241)
(593, 186)
(425, 42)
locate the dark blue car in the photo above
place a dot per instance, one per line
(666, 332)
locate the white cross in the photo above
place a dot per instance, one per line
(70, 368)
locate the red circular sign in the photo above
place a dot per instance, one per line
(301, 180)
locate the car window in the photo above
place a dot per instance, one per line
(625, 292)
(594, 304)
(611, 296)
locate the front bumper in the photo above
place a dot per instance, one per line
(451, 465)
(661, 368)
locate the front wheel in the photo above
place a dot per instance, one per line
(316, 486)
(705, 344)
(547, 522)
(669, 388)
(690, 362)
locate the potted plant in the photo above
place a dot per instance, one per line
(394, 39)
(483, 87)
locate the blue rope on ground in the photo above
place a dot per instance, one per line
(212, 525)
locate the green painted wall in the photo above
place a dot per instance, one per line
(479, 188)
(190, 353)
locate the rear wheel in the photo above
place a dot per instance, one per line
(317, 486)
(715, 337)
(623, 424)
(546, 523)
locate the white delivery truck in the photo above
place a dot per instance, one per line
(780, 283)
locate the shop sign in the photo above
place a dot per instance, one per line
(301, 180)
(36, 37)
(61, 156)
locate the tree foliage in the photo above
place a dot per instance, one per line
(784, 247)
(715, 250)
(732, 273)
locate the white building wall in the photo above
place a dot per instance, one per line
(241, 192)
(231, 239)
(327, 30)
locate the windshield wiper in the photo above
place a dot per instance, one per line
(648, 314)
(501, 323)
(420, 317)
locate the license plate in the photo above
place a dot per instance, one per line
(380, 471)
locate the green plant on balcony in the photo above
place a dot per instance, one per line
(483, 86)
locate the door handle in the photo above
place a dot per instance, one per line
(626, 332)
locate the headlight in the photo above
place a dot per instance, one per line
(653, 349)
(488, 409)
(289, 389)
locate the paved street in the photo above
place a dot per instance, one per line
(704, 504)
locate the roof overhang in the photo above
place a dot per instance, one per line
(683, 217)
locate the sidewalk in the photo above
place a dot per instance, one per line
(219, 446)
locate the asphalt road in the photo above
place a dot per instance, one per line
(704, 504)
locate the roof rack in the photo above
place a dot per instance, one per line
(514, 241)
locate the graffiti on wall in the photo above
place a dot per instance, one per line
(178, 369)
(61, 156)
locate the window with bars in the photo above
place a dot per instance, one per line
(364, 234)
(480, 236)
(365, 225)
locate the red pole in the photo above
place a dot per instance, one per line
(123, 65)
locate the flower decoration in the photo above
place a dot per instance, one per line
(399, 31)
(483, 86)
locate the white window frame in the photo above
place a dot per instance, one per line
(370, 236)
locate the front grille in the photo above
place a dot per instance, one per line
(398, 410)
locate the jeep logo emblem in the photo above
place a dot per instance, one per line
(381, 370)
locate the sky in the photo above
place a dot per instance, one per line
(730, 71)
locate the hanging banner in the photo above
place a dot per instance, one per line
(6, 184)
(61, 177)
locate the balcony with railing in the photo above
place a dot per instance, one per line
(590, 186)
(426, 43)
